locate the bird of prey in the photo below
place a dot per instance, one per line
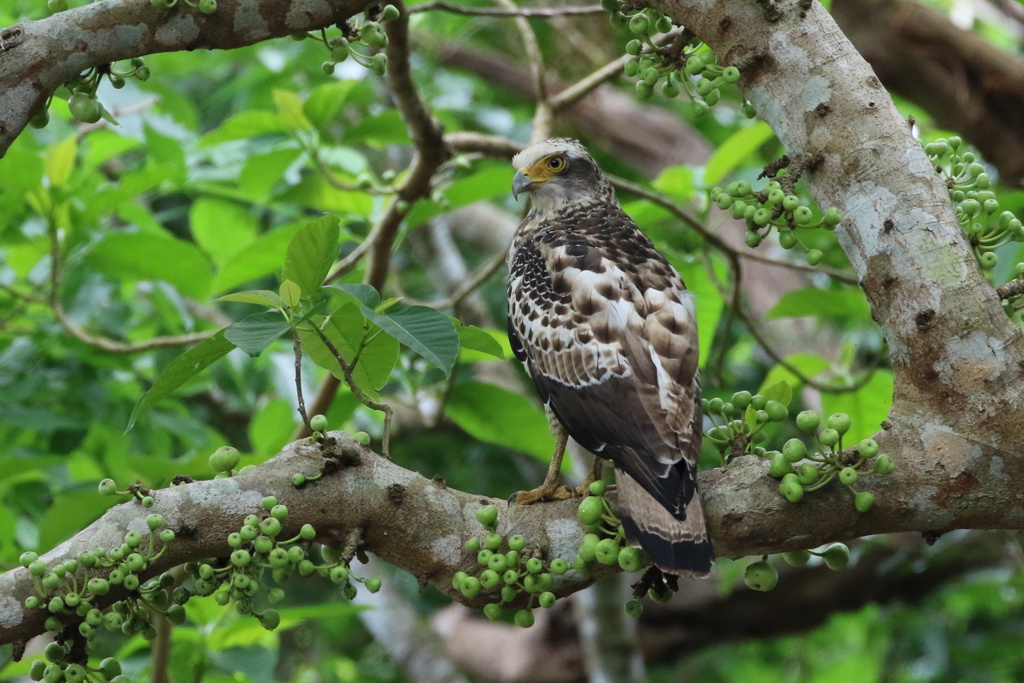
(607, 331)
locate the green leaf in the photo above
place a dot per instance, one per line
(260, 297)
(60, 161)
(181, 369)
(138, 256)
(490, 413)
(707, 299)
(260, 258)
(324, 102)
(735, 150)
(676, 182)
(346, 329)
(354, 294)
(289, 108)
(262, 172)
(426, 331)
(311, 253)
(222, 228)
(245, 125)
(808, 364)
(845, 302)
(256, 332)
(487, 182)
(315, 192)
(478, 339)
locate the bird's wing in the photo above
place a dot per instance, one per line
(607, 331)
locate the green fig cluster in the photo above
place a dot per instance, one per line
(368, 33)
(802, 470)
(773, 209)
(82, 102)
(260, 547)
(738, 425)
(508, 567)
(761, 575)
(977, 207)
(683, 64)
(72, 594)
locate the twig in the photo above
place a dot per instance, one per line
(103, 343)
(506, 12)
(346, 369)
(1011, 289)
(297, 347)
(543, 114)
(586, 85)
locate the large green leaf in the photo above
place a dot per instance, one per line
(825, 303)
(181, 369)
(138, 256)
(735, 150)
(490, 413)
(222, 228)
(324, 101)
(311, 253)
(346, 329)
(356, 293)
(477, 339)
(256, 332)
(246, 124)
(260, 258)
(426, 331)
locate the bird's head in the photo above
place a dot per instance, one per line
(559, 173)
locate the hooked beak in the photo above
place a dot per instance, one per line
(520, 184)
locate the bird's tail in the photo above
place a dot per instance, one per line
(675, 546)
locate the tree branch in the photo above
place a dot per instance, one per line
(40, 56)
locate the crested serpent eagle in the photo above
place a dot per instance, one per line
(607, 331)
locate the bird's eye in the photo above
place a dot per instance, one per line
(556, 164)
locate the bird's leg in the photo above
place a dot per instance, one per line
(551, 489)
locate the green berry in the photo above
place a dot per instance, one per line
(814, 256)
(497, 563)
(792, 491)
(362, 437)
(241, 558)
(741, 399)
(279, 512)
(836, 556)
(372, 584)
(154, 522)
(797, 558)
(776, 411)
(630, 559)
(268, 503)
(472, 545)
(84, 108)
(487, 516)
(373, 35)
(37, 568)
(489, 578)
(328, 69)
(207, 6)
(631, 68)
(884, 464)
(524, 618)
(597, 487)
(832, 216)
(607, 551)
(510, 577)
(470, 586)
(590, 511)
(588, 547)
(780, 466)
(807, 421)
(107, 487)
(110, 667)
(840, 422)
(147, 501)
(271, 526)
(534, 565)
(639, 25)
(829, 437)
(760, 576)
(492, 541)
(848, 476)
(546, 599)
(864, 500)
(27, 558)
(558, 566)
(378, 65)
(492, 611)
(802, 215)
(808, 473)
(517, 542)
(298, 479)
(794, 450)
(633, 608)
(389, 13)
(644, 90)
(867, 448)
(318, 423)
(35, 672)
(98, 586)
(988, 260)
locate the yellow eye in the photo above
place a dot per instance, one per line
(556, 163)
